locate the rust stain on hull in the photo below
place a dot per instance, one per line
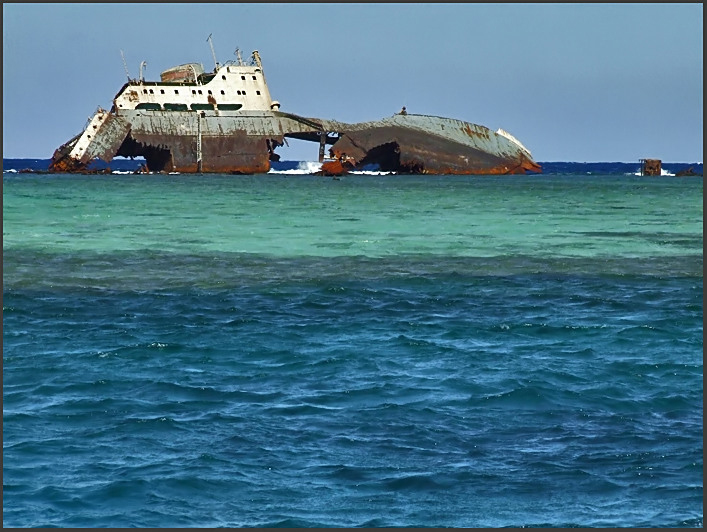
(335, 168)
(62, 163)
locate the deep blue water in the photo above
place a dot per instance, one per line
(551, 167)
(278, 351)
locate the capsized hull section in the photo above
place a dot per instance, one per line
(419, 144)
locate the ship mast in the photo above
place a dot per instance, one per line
(125, 65)
(213, 54)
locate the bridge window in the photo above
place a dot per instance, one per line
(223, 92)
(224, 77)
(257, 92)
(254, 77)
(161, 91)
(243, 77)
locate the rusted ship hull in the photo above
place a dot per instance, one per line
(417, 144)
(245, 143)
(184, 142)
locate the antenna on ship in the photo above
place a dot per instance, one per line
(237, 53)
(142, 65)
(125, 65)
(213, 54)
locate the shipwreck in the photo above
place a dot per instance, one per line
(225, 121)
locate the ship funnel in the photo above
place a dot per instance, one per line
(256, 58)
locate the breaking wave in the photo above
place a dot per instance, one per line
(663, 172)
(302, 168)
(312, 167)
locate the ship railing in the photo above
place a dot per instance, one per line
(99, 109)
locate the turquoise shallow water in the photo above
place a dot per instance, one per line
(360, 215)
(374, 351)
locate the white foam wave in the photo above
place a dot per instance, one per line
(663, 172)
(370, 172)
(303, 168)
(312, 167)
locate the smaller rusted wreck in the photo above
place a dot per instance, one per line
(225, 121)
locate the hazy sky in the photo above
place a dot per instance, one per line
(573, 82)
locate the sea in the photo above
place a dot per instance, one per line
(367, 351)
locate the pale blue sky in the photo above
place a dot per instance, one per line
(574, 82)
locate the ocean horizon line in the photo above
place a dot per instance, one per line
(123, 165)
(606, 161)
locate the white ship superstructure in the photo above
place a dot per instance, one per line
(233, 86)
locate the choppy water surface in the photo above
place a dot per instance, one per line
(375, 351)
